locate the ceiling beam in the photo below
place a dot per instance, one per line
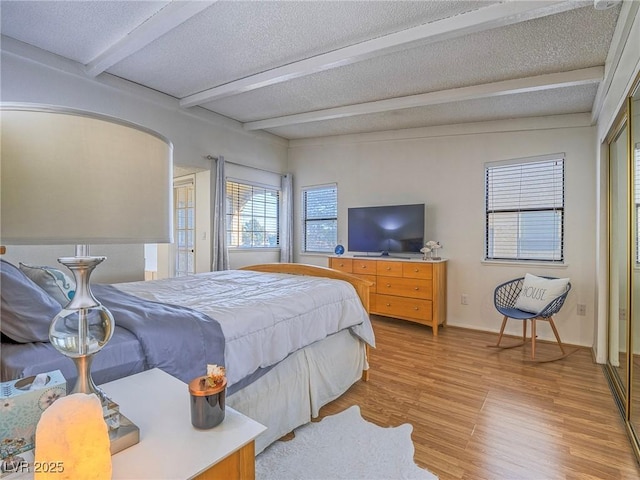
(165, 20)
(507, 87)
(492, 16)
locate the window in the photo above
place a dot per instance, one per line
(252, 215)
(525, 210)
(320, 216)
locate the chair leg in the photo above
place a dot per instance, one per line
(555, 332)
(504, 324)
(565, 354)
(533, 338)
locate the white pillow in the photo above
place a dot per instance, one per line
(538, 292)
(52, 280)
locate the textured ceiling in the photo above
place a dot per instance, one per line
(76, 30)
(318, 55)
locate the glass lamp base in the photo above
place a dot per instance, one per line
(79, 331)
(126, 435)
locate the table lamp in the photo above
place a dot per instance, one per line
(71, 177)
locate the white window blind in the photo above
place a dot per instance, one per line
(320, 217)
(525, 210)
(252, 215)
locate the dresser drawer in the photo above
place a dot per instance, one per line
(406, 287)
(402, 307)
(417, 270)
(364, 267)
(389, 269)
(372, 278)
(342, 264)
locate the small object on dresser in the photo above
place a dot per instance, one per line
(339, 250)
(431, 247)
(208, 398)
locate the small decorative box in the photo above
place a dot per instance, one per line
(22, 402)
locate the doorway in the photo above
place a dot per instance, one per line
(184, 225)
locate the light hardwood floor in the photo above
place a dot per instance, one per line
(481, 413)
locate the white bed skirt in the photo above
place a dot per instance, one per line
(294, 391)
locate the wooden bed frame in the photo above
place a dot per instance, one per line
(361, 286)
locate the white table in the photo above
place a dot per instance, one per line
(170, 447)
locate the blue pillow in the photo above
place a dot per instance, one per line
(27, 310)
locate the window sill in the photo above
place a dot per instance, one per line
(523, 263)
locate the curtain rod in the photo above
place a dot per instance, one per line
(211, 157)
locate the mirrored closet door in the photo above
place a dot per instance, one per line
(634, 337)
(623, 327)
(619, 265)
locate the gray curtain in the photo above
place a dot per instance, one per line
(286, 219)
(219, 250)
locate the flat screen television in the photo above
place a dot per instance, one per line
(386, 229)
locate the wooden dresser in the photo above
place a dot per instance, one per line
(413, 290)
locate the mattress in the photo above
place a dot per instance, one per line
(264, 317)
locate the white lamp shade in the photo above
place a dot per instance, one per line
(72, 177)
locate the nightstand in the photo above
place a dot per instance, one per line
(170, 447)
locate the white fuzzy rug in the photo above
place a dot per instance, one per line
(342, 446)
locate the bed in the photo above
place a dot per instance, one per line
(293, 337)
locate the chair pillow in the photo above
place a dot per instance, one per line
(26, 309)
(538, 292)
(52, 280)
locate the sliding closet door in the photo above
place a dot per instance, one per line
(634, 341)
(619, 265)
(623, 362)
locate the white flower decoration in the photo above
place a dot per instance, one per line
(430, 246)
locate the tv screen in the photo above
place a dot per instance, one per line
(386, 229)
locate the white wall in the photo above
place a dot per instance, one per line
(444, 168)
(31, 75)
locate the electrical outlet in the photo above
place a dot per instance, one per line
(582, 309)
(464, 299)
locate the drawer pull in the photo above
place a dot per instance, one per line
(416, 308)
(388, 268)
(364, 266)
(417, 288)
(388, 304)
(388, 285)
(416, 270)
(342, 264)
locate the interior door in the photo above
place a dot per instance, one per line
(184, 227)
